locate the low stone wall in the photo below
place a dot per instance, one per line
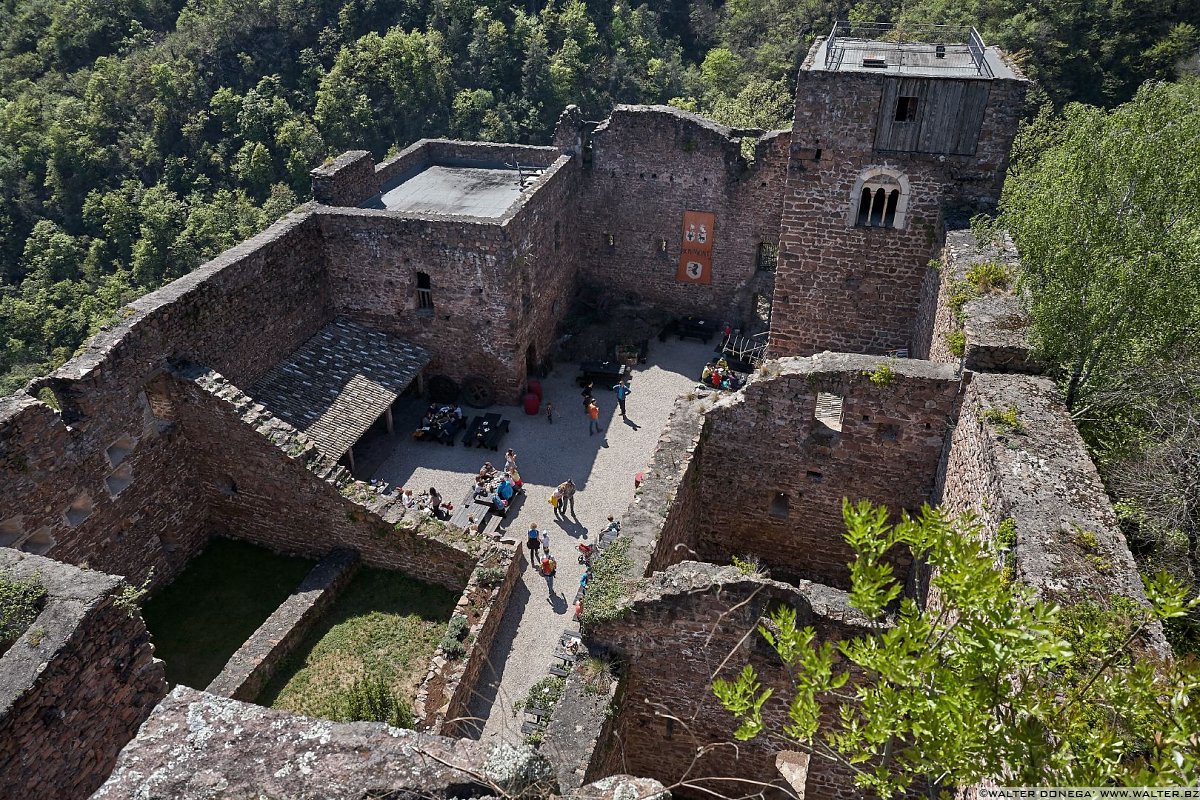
(1069, 546)
(258, 659)
(75, 687)
(348, 181)
(445, 694)
(197, 745)
(580, 729)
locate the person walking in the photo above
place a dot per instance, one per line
(549, 412)
(587, 393)
(567, 491)
(593, 412)
(545, 541)
(533, 542)
(622, 390)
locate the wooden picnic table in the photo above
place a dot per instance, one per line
(486, 431)
(602, 373)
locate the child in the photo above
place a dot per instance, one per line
(549, 412)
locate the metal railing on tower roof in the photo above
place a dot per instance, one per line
(906, 48)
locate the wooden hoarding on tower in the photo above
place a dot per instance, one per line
(695, 255)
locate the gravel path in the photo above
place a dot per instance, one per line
(603, 467)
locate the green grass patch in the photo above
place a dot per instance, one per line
(383, 628)
(215, 604)
(21, 600)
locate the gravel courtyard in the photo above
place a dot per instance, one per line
(603, 467)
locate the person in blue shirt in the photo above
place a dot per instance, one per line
(622, 389)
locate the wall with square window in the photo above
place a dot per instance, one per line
(828, 431)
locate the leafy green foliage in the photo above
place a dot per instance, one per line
(490, 576)
(370, 699)
(609, 585)
(21, 601)
(882, 375)
(1098, 204)
(989, 683)
(956, 342)
(1004, 419)
(452, 641)
(988, 277)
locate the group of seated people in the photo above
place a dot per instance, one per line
(430, 501)
(441, 423)
(718, 375)
(499, 487)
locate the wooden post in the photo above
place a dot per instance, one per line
(350, 457)
(387, 418)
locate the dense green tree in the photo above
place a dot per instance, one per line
(989, 683)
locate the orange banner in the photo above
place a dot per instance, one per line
(695, 256)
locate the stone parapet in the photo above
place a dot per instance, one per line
(76, 686)
(349, 180)
(260, 656)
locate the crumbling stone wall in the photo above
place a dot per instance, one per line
(258, 492)
(675, 637)
(449, 686)
(649, 164)
(346, 181)
(75, 687)
(1069, 546)
(108, 481)
(995, 327)
(766, 441)
(856, 289)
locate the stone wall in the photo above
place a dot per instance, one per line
(195, 741)
(448, 687)
(258, 492)
(498, 287)
(109, 481)
(347, 181)
(789, 514)
(75, 687)
(994, 327)
(1069, 546)
(858, 289)
(676, 636)
(649, 164)
(259, 657)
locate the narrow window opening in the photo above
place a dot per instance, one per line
(906, 109)
(119, 450)
(557, 235)
(780, 505)
(878, 201)
(829, 410)
(11, 532)
(814, 476)
(424, 292)
(768, 257)
(864, 207)
(120, 480)
(39, 543)
(889, 214)
(79, 510)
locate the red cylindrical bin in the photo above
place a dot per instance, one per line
(535, 387)
(532, 404)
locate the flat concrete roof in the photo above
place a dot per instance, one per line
(458, 191)
(910, 59)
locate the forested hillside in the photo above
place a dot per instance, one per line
(139, 137)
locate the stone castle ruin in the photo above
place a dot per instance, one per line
(231, 403)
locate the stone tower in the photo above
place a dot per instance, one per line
(894, 129)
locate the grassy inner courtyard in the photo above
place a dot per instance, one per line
(223, 595)
(384, 627)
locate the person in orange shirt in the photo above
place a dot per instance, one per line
(593, 412)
